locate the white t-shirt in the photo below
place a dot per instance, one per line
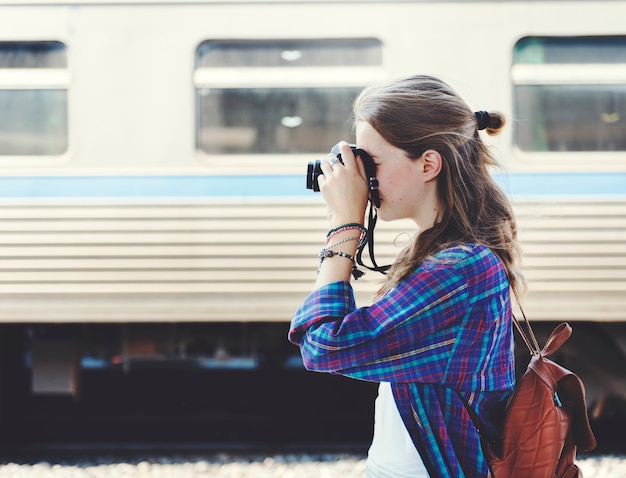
(392, 453)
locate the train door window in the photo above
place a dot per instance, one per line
(33, 98)
(570, 94)
(279, 97)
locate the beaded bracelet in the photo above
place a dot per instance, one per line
(324, 253)
(348, 227)
(352, 225)
(330, 246)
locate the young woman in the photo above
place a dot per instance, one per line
(439, 333)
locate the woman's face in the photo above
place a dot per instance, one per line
(401, 183)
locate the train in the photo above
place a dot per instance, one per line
(153, 207)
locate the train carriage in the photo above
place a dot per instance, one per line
(153, 158)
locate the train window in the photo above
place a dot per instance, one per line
(281, 120)
(34, 82)
(570, 50)
(279, 97)
(570, 94)
(41, 54)
(292, 53)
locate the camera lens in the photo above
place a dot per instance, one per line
(314, 169)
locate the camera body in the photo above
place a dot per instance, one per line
(314, 170)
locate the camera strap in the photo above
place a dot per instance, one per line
(369, 241)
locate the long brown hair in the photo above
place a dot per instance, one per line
(419, 113)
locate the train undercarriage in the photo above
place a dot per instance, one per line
(226, 385)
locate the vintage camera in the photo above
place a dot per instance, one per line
(314, 170)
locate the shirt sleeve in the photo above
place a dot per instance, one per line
(405, 336)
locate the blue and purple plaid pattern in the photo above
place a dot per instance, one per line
(444, 331)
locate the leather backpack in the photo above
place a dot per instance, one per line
(545, 420)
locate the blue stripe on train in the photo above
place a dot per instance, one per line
(525, 184)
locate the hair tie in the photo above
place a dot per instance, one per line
(483, 119)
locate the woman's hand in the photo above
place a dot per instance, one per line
(344, 187)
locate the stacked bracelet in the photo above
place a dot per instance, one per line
(348, 227)
(328, 252)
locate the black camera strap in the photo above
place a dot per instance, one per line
(369, 241)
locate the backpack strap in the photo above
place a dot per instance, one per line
(557, 338)
(549, 371)
(528, 336)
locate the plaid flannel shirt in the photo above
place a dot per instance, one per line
(445, 330)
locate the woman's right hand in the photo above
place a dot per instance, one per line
(344, 187)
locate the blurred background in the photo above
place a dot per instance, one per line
(156, 233)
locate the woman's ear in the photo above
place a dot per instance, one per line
(431, 164)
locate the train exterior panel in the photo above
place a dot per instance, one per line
(153, 153)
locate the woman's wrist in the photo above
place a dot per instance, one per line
(342, 245)
(337, 222)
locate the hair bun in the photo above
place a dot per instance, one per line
(483, 119)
